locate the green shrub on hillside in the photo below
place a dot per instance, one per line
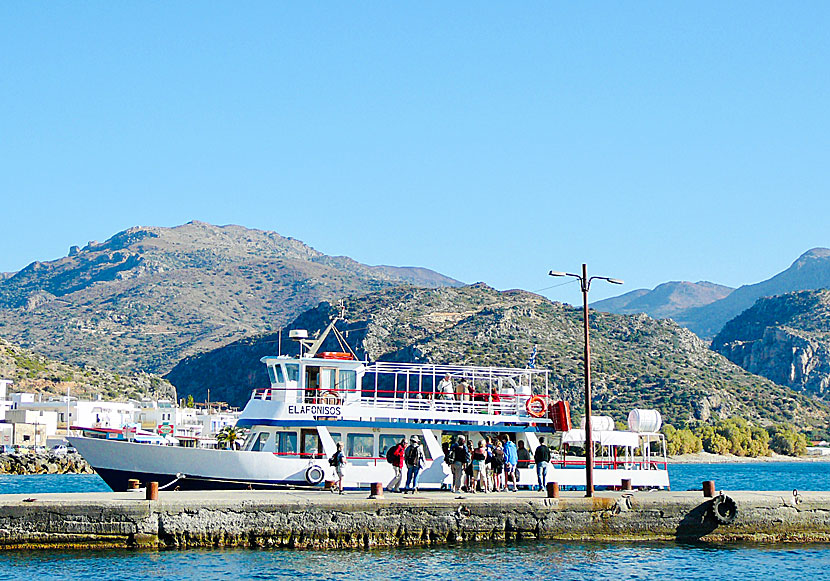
(784, 439)
(682, 441)
(734, 436)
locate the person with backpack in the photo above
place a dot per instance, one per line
(496, 461)
(336, 461)
(414, 460)
(459, 457)
(394, 455)
(542, 457)
(479, 463)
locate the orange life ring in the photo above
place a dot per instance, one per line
(330, 397)
(336, 355)
(536, 406)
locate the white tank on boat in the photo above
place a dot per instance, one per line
(644, 420)
(599, 423)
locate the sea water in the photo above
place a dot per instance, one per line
(513, 561)
(523, 560)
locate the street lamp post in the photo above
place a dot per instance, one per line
(585, 284)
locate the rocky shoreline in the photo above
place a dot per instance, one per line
(43, 464)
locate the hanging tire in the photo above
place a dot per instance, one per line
(314, 475)
(724, 509)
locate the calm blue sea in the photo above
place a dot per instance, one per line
(543, 560)
(527, 560)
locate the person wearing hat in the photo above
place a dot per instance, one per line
(414, 459)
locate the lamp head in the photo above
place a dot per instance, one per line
(557, 273)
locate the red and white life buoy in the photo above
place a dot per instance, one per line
(536, 406)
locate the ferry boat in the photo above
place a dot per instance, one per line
(316, 400)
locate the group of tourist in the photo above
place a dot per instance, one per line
(402, 457)
(463, 391)
(492, 465)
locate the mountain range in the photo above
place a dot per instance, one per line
(149, 296)
(705, 308)
(665, 301)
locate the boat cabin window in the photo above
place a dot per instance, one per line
(286, 442)
(348, 380)
(312, 383)
(328, 378)
(310, 445)
(259, 443)
(337, 437)
(388, 441)
(293, 371)
(275, 373)
(360, 445)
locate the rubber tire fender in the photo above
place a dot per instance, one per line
(314, 475)
(724, 509)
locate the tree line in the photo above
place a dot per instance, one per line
(735, 436)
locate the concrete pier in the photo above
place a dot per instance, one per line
(320, 520)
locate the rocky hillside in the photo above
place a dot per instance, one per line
(34, 373)
(784, 338)
(639, 361)
(149, 296)
(811, 271)
(665, 301)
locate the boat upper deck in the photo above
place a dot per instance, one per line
(334, 387)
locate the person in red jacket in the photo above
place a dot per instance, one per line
(395, 457)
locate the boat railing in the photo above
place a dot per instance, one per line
(612, 464)
(396, 399)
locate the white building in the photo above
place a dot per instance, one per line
(212, 423)
(46, 418)
(158, 416)
(6, 435)
(85, 414)
(5, 404)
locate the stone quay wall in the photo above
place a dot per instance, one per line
(319, 520)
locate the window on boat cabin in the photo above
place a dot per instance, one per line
(337, 437)
(348, 380)
(275, 373)
(259, 443)
(310, 444)
(292, 370)
(287, 442)
(360, 445)
(328, 378)
(387, 441)
(312, 383)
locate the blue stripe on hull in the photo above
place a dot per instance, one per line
(118, 479)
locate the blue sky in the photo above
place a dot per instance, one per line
(654, 141)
